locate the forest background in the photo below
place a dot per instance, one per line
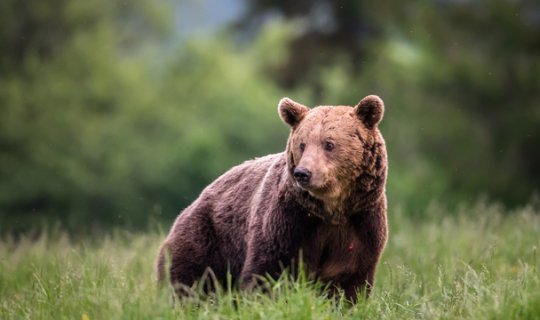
(118, 113)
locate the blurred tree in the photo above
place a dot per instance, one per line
(63, 86)
(486, 59)
(327, 29)
(41, 30)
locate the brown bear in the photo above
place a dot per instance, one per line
(322, 201)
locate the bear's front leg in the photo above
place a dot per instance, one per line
(257, 266)
(359, 285)
(271, 247)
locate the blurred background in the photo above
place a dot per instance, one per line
(118, 113)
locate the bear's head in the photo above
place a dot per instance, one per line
(336, 152)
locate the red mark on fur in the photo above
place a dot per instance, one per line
(350, 247)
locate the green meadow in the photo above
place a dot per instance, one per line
(114, 115)
(476, 262)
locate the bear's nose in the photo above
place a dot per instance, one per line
(302, 175)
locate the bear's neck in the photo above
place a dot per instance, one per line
(338, 211)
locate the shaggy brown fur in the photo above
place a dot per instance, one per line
(324, 197)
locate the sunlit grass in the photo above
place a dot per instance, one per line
(477, 263)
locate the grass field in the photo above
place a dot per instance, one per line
(477, 263)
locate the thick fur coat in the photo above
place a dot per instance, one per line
(323, 198)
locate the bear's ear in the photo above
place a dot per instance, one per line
(370, 110)
(291, 112)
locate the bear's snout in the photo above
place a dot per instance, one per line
(302, 175)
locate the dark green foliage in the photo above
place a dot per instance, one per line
(70, 100)
(106, 119)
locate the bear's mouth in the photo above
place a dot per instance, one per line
(305, 185)
(314, 190)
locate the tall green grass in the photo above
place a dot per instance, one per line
(477, 263)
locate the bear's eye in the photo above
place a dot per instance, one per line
(302, 147)
(328, 146)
